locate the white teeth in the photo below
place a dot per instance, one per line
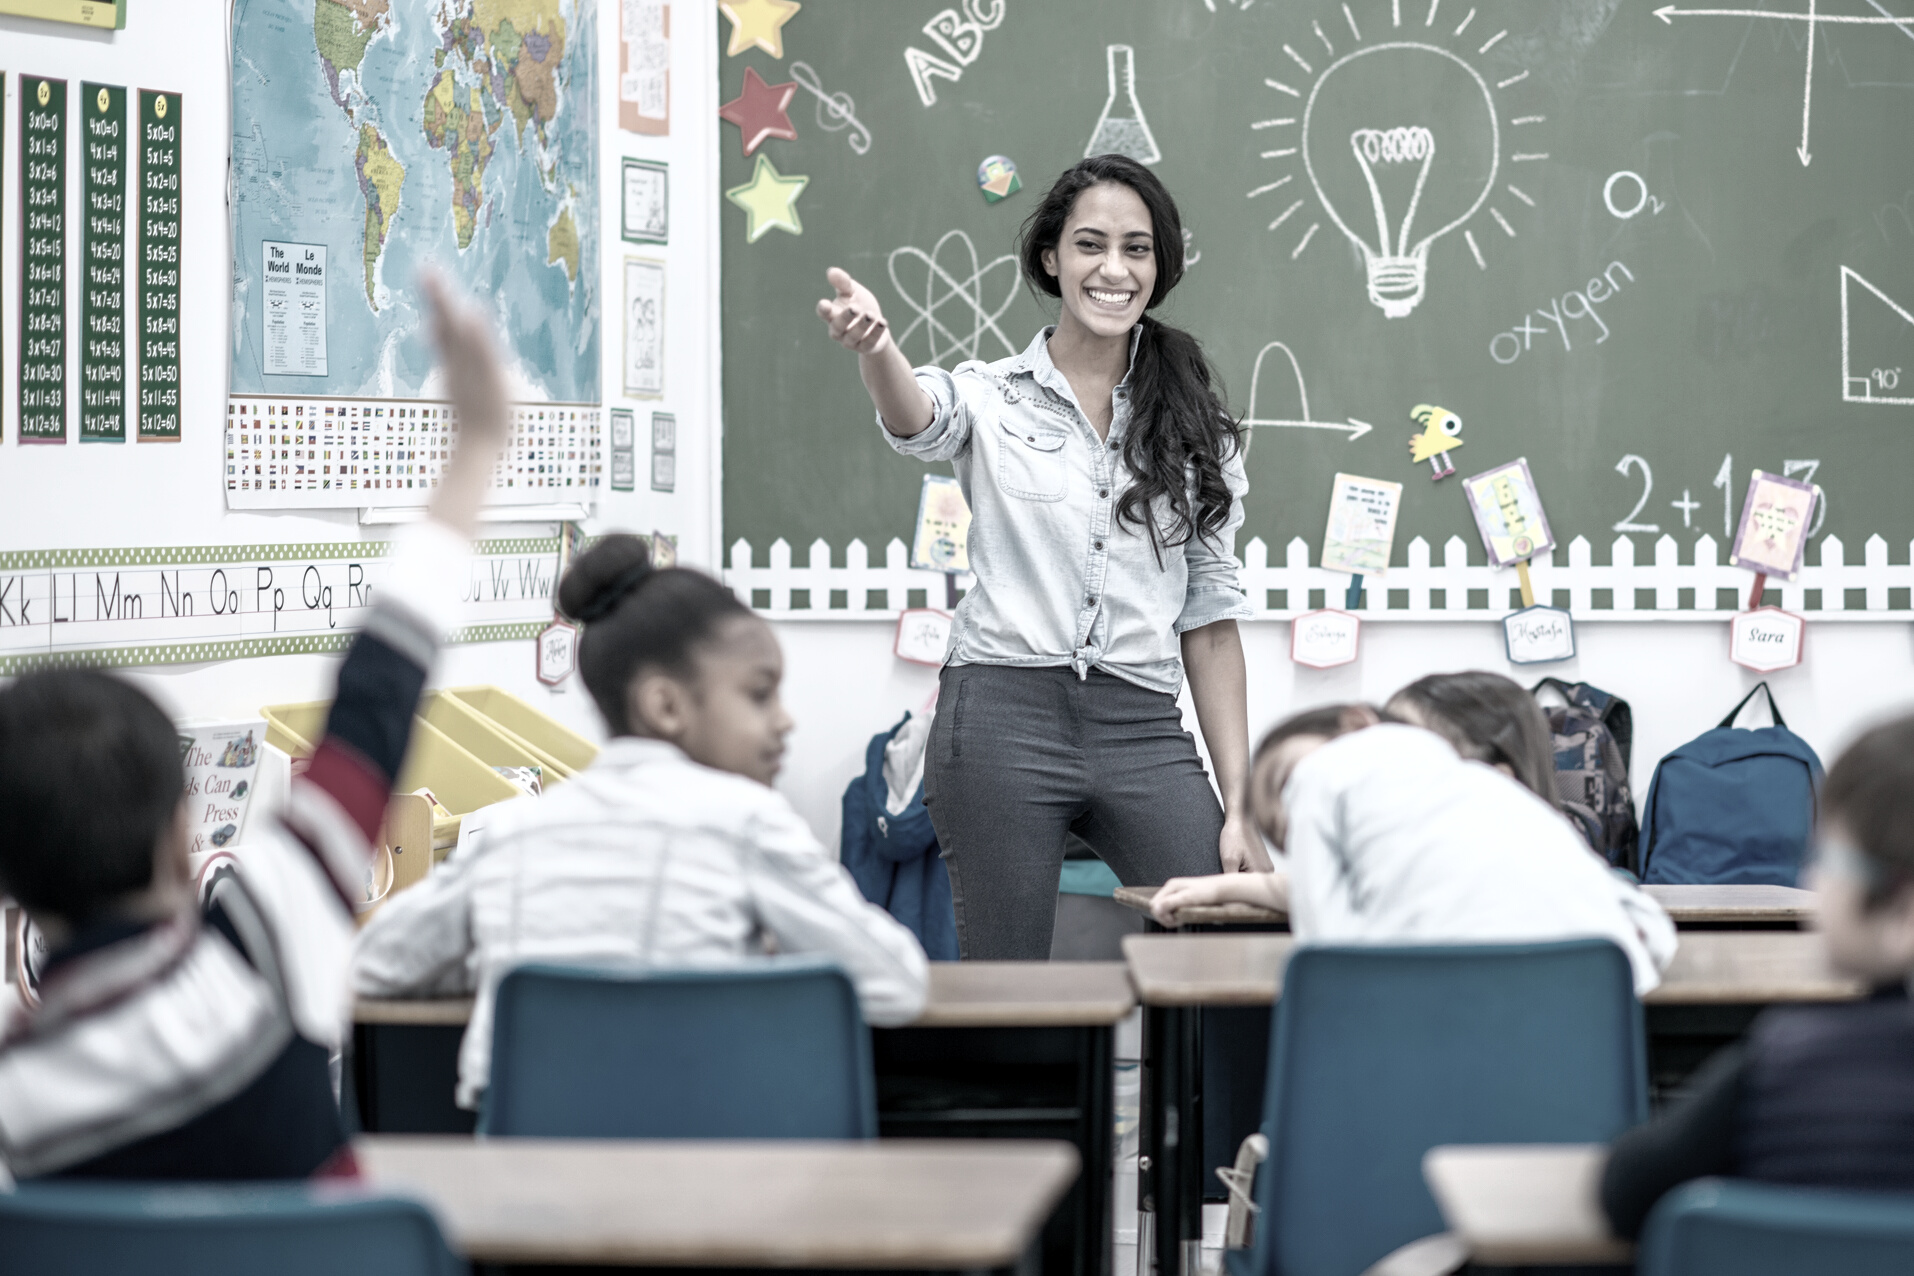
(1110, 298)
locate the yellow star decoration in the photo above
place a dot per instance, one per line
(770, 201)
(757, 22)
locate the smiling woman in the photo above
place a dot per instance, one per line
(1105, 481)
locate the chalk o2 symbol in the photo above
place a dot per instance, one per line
(1642, 198)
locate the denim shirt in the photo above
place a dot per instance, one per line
(1059, 580)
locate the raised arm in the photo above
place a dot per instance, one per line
(857, 323)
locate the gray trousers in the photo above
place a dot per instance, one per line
(1018, 757)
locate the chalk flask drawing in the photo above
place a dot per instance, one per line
(1121, 129)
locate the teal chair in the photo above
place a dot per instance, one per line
(89, 1229)
(1379, 1054)
(1719, 1227)
(772, 1050)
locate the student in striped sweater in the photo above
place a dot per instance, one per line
(171, 1046)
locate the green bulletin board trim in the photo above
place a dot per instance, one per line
(240, 648)
(198, 555)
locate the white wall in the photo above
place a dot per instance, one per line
(843, 685)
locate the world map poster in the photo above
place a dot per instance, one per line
(372, 140)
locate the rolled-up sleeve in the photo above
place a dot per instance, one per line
(953, 412)
(1215, 588)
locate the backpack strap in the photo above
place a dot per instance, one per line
(1774, 710)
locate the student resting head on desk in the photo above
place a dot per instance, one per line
(164, 1048)
(1486, 718)
(670, 849)
(1388, 836)
(1818, 1096)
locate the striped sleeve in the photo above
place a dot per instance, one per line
(336, 808)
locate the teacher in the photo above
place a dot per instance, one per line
(1105, 480)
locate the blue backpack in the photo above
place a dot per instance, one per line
(1732, 806)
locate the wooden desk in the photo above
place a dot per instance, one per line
(935, 1206)
(1517, 1205)
(1004, 1049)
(977, 994)
(1139, 897)
(1176, 975)
(1739, 906)
(1785, 907)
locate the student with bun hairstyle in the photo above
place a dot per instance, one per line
(1389, 836)
(669, 849)
(1105, 478)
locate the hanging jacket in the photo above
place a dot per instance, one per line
(894, 857)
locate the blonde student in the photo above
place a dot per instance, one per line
(1389, 836)
(670, 849)
(1816, 1096)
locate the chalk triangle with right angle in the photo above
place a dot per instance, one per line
(1877, 344)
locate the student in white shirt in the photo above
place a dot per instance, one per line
(670, 849)
(1390, 837)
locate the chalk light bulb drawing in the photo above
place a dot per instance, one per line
(1374, 182)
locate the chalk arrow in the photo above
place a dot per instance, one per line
(1807, 90)
(1355, 429)
(1667, 13)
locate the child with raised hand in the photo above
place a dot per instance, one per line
(1390, 837)
(1816, 1096)
(166, 1046)
(670, 849)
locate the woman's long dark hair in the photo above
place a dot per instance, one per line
(1180, 426)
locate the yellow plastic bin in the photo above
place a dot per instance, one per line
(485, 739)
(569, 750)
(460, 781)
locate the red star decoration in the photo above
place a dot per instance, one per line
(759, 111)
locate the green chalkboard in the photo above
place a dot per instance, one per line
(1677, 248)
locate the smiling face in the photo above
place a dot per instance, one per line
(1105, 261)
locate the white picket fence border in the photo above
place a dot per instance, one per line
(1418, 589)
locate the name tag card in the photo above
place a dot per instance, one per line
(923, 636)
(1538, 635)
(1766, 639)
(1324, 639)
(557, 652)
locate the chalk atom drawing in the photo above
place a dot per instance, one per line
(1877, 344)
(1303, 421)
(1121, 129)
(958, 303)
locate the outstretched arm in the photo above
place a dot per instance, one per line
(857, 323)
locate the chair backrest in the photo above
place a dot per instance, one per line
(771, 1050)
(1379, 1054)
(1714, 1227)
(83, 1229)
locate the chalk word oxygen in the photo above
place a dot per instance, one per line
(962, 37)
(1560, 311)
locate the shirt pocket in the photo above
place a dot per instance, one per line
(1030, 461)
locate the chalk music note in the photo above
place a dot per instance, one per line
(835, 111)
